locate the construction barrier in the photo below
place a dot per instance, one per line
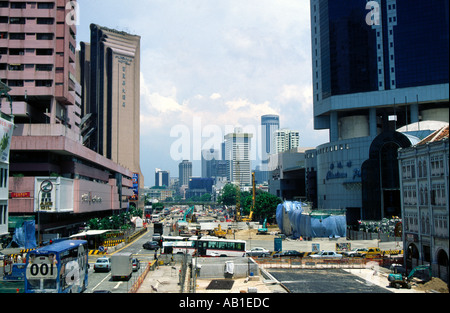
(141, 278)
(113, 243)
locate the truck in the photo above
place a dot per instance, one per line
(121, 266)
(158, 228)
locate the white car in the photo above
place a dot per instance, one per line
(327, 254)
(257, 251)
(102, 264)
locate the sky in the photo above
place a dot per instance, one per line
(208, 66)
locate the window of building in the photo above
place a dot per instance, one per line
(45, 36)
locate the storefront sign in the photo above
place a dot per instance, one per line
(15, 195)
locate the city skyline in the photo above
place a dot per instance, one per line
(252, 59)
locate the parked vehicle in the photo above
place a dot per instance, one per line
(326, 254)
(287, 253)
(102, 265)
(151, 245)
(257, 251)
(121, 265)
(136, 264)
(372, 252)
(355, 253)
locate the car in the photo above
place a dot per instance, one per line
(102, 264)
(355, 253)
(288, 253)
(257, 251)
(136, 264)
(326, 254)
(2, 256)
(372, 252)
(151, 245)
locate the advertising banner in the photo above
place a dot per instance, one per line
(6, 132)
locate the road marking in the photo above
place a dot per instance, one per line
(118, 285)
(101, 281)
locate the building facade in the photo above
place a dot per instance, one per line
(425, 199)
(110, 76)
(161, 178)
(285, 140)
(185, 172)
(269, 124)
(238, 157)
(379, 70)
(38, 63)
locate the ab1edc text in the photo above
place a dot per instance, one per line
(226, 303)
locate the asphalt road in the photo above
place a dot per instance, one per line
(323, 281)
(101, 281)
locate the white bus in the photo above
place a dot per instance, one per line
(210, 247)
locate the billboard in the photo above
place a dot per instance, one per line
(6, 131)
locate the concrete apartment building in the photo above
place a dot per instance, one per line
(38, 63)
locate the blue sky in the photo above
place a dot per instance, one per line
(208, 66)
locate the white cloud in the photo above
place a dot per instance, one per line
(225, 62)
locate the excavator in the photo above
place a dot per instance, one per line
(397, 279)
(263, 230)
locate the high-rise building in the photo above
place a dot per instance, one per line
(269, 124)
(380, 75)
(185, 172)
(161, 178)
(237, 153)
(38, 63)
(285, 140)
(110, 76)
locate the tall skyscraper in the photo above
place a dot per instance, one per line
(185, 172)
(110, 75)
(285, 140)
(237, 153)
(379, 68)
(269, 124)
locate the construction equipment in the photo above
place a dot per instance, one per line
(263, 230)
(218, 232)
(397, 279)
(249, 218)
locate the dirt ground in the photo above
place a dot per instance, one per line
(434, 284)
(252, 234)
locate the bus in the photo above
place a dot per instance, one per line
(210, 247)
(61, 267)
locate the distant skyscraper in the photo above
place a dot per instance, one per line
(285, 140)
(185, 172)
(161, 178)
(209, 156)
(237, 153)
(269, 124)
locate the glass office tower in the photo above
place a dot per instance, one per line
(380, 82)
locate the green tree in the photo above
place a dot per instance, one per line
(228, 195)
(205, 198)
